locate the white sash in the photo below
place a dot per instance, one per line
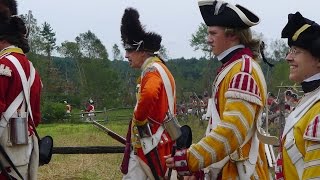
(296, 115)
(23, 95)
(212, 106)
(150, 143)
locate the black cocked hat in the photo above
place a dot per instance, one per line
(302, 32)
(220, 13)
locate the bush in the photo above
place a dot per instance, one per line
(53, 112)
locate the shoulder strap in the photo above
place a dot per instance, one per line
(213, 108)
(25, 83)
(219, 78)
(294, 153)
(222, 74)
(296, 115)
(167, 86)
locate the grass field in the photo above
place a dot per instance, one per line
(92, 166)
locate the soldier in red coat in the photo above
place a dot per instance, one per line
(150, 141)
(20, 88)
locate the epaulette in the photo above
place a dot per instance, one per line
(243, 85)
(149, 69)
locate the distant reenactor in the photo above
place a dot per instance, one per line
(90, 109)
(68, 108)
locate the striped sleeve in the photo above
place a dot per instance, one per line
(236, 121)
(312, 144)
(243, 86)
(312, 132)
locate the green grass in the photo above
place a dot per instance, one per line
(94, 166)
(91, 166)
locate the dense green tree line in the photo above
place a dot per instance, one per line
(81, 69)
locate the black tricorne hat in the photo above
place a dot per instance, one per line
(302, 32)
(134, 36)
(220, 13)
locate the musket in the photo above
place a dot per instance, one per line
(114, 135)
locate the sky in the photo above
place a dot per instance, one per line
(175, 20)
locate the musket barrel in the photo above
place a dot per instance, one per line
(114, 135)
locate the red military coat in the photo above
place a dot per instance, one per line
(11, 86)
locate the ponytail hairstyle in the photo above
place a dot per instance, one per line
(245, 37)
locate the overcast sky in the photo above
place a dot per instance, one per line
(175, 20)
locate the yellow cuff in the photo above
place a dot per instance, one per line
(140, 123)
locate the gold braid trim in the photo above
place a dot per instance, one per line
(299, 31)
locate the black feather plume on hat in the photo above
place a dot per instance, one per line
(134, 36)
(11, 5)
(132, 31)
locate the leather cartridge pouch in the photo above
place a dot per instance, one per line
(45, 150)
(18, 131)
(172, 126)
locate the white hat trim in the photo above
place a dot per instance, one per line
(242, 16)
(218, 6)
(205, 2)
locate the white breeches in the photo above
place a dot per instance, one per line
(135, 170)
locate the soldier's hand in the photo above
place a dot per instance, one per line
(169, 161)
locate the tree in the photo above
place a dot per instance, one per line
(199, 41)
(164, 52)
(116, 53)
(48, 39)
(279, 49)
(91, 47)
(34, 36)
(72, 50)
